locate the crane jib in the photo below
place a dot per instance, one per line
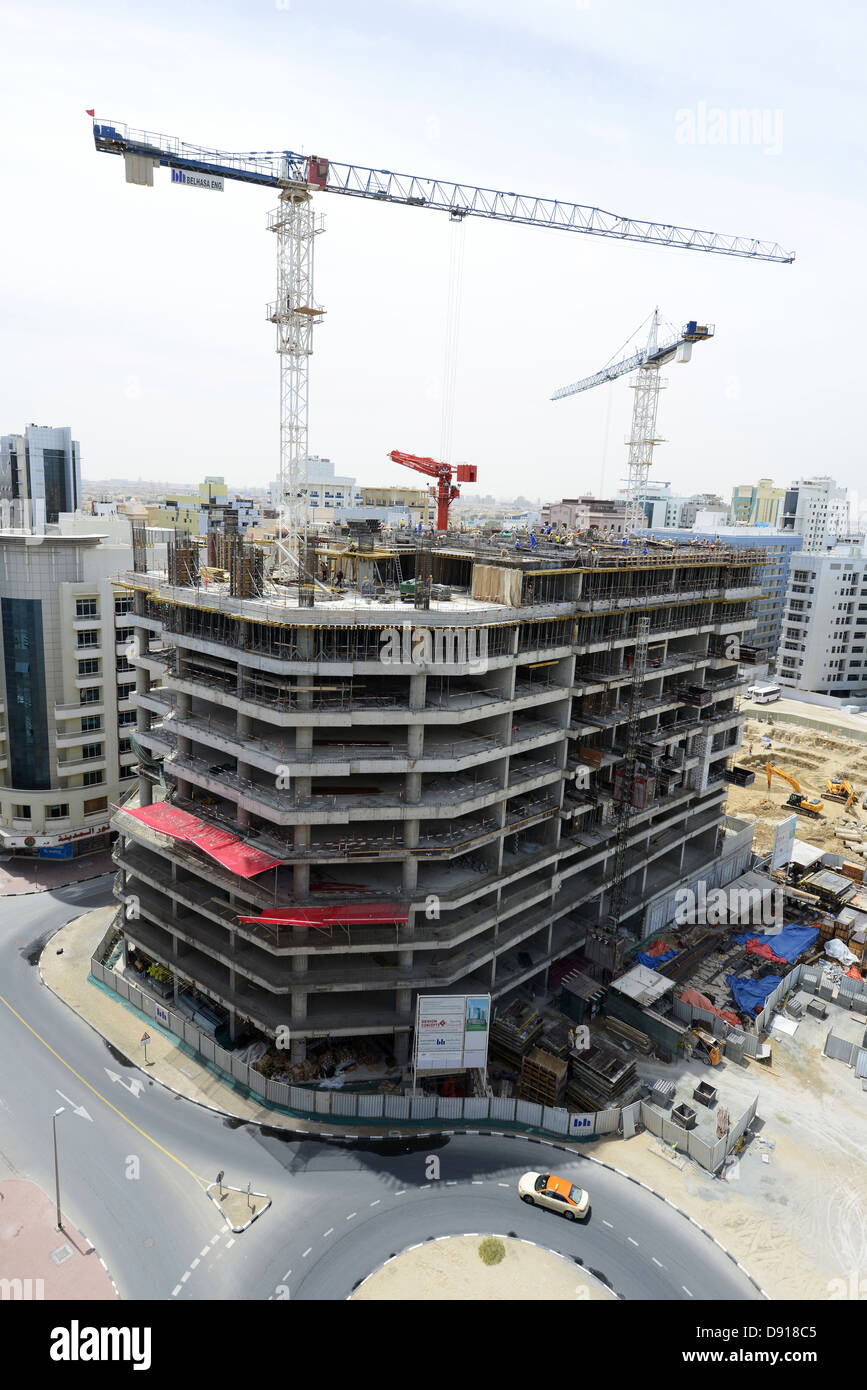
(281, 168)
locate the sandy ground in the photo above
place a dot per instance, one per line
(811, 757)
(451, 1270)
(798, 1222)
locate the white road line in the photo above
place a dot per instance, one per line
(195, 1264)
(352, 1215)
(504, 1184)
(401, 1193)
(477, 1182)
(377, 1202)
(176, 1290)
(657, 1262)
(607, 1223)
(307, 1252)
(452, 1183)
(631, 1240)
(686, 1290)
(206, 1251)
(230, 1243)
(185, 1277)
(329, 1232)
(215, 1239)
(286, 1276)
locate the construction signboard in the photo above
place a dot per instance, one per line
(784, 842)
(451, 1031)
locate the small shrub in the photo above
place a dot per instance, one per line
(491, 1250)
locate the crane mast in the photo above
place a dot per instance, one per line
(297, 177)
(647, 385)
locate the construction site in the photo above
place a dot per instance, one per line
(457, 769)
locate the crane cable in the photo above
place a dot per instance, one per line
(450, 352)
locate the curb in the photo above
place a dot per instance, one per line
(416, 1134)
(237, 1230)
(101, 1261)
(55, 887)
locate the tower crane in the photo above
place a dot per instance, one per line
(647, 385)
(296, 178)
(444, 491)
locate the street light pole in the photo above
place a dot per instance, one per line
(57, 1112)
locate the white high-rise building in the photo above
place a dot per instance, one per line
(823, 646)
(67, 685)
(817, 510)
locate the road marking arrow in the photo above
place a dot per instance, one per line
(78, 1109)
(135, 1088)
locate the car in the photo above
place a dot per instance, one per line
(557, 1194)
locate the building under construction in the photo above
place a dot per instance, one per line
(439, 766)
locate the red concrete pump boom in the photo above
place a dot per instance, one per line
(445, 490)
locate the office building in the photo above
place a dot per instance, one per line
(823, 648)
(40, 472)
(817, 511)
(65, 754)
(759, 505)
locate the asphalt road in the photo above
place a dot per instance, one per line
(130, 1170)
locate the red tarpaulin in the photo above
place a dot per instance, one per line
(658, 948)
(357, 914)
(222, 845)
(763, 950)
(701, 1001)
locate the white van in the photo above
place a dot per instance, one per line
(764, 692)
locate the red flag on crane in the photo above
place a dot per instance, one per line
(90, 113)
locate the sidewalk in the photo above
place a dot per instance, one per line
(19, 876)
(40, 1262)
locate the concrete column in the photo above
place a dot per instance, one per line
(401, 1049)
(409, 868)
(417, 691)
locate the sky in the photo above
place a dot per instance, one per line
(137, 316)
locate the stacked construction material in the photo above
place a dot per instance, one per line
(640, 1041)
(543, 1078)
(601, 1076)
(514, 1031)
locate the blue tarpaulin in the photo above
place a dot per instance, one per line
(750, 995)
(654, 962)
(790, 943)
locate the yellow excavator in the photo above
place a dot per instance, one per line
(839, 788)
(799, 801)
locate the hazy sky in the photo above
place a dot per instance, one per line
(137, 316)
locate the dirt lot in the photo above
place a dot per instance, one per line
(451, 1269)
(811, 756)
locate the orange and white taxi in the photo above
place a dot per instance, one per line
(558, 1194)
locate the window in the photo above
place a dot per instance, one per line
(125, 691)
(122, 606)
(125, 634)
(90, 723)
(93, 779)
(90, 695)
(89, 667)
(91, 750)
(57, 812)
(21, 812)
(123, 664)
(89, 638)
(126, 717)
(97, 803)
(124, 745)
(86, 608)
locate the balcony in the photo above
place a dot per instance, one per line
(76, 710)
(71, 764)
